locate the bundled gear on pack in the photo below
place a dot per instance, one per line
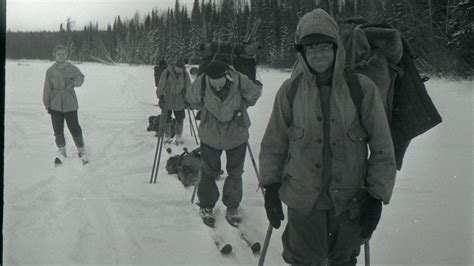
(154, 124)
(241, 56)
(379, 52)
(157, 70)
(186, 165)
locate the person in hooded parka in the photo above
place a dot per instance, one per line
(315, 154)
(171, 92)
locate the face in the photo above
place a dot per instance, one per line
(320, 56)
(218, 83)
(60, 56)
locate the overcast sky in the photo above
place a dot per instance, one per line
(38, 15)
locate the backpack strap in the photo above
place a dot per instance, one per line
(355, 89)
(293, 88)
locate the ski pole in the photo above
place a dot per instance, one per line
(268, 235)
(261, 260)
(190, 122)
(195, 186)
(158, 144)
(367, 253)
(195, 121)
(192, 128)
(253, 163)
(159, 147)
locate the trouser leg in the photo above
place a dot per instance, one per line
(344, 241)
(168, 124)
(208, 191)
(179, 116)
(320, 238)
(72, 121)
(57, 119)
(232, 191)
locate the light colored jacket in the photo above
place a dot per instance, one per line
(172, 85)
(59, 84)
(291, 153)
(224, 123)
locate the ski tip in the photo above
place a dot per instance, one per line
(256, 247)
(226, 249)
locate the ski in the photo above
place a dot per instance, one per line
(223, 247)
(245, 234)
(253, 244)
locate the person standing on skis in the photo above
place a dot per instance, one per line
(223, 95)
(60, 100)
(171, 92)
(314, 154)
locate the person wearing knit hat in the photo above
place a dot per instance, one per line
(223, 95)
(171, 92)
(314, 153)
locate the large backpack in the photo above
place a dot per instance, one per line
(379, 52)
(186, 165)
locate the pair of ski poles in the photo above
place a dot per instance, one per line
(161, 133)
(193, 126)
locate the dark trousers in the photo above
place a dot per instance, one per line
(208, 192)
(72, 121)
(321, 238)
(178, 115)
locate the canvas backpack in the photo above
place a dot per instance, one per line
(186, 165)
(154, 124)
(379, 52)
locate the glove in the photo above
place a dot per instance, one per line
(273, 205)
(161, 102)
(370, 215)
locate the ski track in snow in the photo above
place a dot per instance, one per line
(106, 212)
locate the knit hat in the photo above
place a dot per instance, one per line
(313, 38)
(316, 38)
(216, 69)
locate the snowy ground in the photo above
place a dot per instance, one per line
(107, 212)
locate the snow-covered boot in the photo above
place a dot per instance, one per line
(81, 152)
(62, 152)
(207, 216)
(233, 217)
(168, 140)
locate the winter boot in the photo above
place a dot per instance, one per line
(62, 152)
(168, 138)
(207, 216)
(81, 152)
(233, 217)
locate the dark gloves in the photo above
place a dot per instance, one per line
(161, 102)
(370, 215)
(273, 205)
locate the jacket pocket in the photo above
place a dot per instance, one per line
(239, 118)
(357, 133)
(296, 134)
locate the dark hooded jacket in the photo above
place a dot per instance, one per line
(291, 153)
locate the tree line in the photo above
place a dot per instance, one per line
(440, 32)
